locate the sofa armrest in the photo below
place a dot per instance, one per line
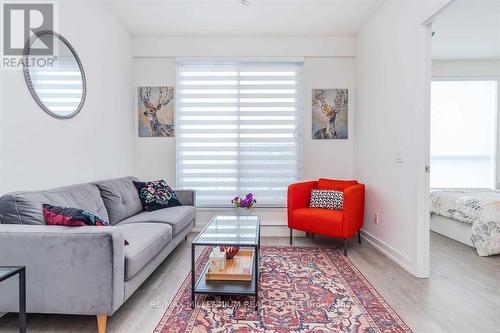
(186, 197)
(299, 195)
(69, 270)
(354, 209)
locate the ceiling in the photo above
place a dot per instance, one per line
(468, 29)
(230, 18)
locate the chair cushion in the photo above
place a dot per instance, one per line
(332, 184)
(120, 198)
(145, 240)
(26, 207)
(318, 220)
(178, 217)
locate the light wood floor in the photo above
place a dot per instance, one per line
(462, 295)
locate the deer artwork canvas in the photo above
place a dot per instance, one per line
(329, 113)
(156, 111)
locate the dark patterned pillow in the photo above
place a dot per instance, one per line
(72, 217)
(327, 199)
(156, 195)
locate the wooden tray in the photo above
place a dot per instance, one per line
(239, 268)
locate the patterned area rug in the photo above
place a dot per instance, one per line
(302, 289)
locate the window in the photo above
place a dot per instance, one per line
(238, 131)
(463, 134)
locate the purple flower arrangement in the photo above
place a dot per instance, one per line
(246, 202)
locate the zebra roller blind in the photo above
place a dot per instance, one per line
(238, 131)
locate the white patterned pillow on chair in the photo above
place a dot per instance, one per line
(327, 199)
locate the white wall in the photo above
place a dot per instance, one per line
(39, 151)
(466, 68)
(328, 158)
(473, 69)
(243, 46)
(392, 131)
(155, 157)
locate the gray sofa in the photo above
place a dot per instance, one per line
(87, 270)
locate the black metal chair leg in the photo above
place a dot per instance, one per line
(291, 230)
(345, 247)
(359, 237)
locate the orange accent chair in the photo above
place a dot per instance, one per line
(328, 222)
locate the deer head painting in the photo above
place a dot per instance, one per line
(156, 111)
(329, 113)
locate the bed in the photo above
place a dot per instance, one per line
(471, 217)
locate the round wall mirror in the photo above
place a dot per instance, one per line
(56, 82)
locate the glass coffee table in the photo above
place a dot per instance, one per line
(242, 231)
(7, 272)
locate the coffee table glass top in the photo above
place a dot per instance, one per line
(4, 271)
(230, 230)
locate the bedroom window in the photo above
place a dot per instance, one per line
(238, 131)
(463, 134)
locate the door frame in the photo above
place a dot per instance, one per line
(422, 148)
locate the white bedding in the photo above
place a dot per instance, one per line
(479, 208)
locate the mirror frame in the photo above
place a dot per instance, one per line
(29, 82)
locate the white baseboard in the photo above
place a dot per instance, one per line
(388, 251)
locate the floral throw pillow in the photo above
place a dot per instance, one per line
(71, 217)
(156, 195)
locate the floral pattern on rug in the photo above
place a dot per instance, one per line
(302, 289)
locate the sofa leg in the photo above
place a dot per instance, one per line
(186, 237)
(101, 323)
(345, 247)
(359, 237)
(291, 230)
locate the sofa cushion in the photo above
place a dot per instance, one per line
(178, 217)
(333, 184)
(145, 240)
(322, 221)
(26, 207)
(120, 198)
